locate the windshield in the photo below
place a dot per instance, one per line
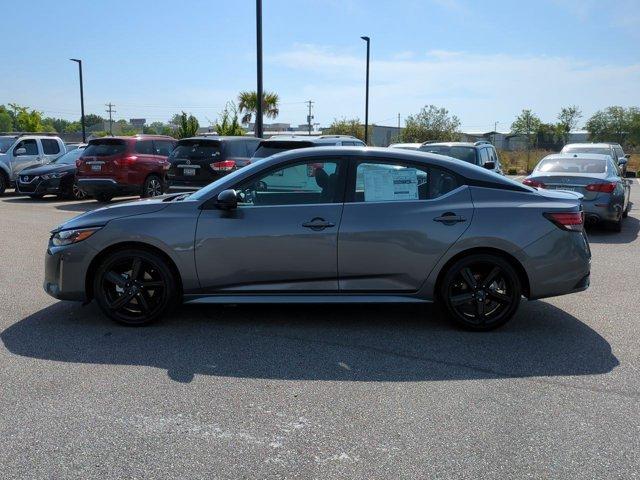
(266, 149)
(467, 154)
(196, 150)
(5, 143)
(104, 148)
(69, 157)
(205, 191)
(572, 165)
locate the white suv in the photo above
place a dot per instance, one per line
(24, 150)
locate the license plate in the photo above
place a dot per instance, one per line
(189, 171)
(96, 168)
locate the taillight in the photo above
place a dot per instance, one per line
(533, 183)
(601, 187)
(225, 166)
(126, 160)
(573, 221)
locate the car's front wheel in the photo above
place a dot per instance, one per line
(480, 292)
(135, 287)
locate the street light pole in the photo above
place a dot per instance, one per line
(259, 93)
(84, 133)
(366, 101)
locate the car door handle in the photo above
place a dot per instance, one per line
(450, 218)
(318, 224)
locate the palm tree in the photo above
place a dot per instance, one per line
(248, 105)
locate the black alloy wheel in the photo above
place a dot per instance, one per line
(77, 193)
(152, 187)
(481, 292)
(135, 287)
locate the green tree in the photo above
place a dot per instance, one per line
(92, 120)
(527, 124)
(345, 126)
(6, 120)
(431, 123)
(248, 105)
(568, 119)
(187, 125)
(610, 124)
(26, 120)
(228, 123)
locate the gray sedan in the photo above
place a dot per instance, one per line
(595, 176)
(329, 225)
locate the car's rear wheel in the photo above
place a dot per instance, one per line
(152, 187)
(75, 192)
(134, 287)
(481, 292)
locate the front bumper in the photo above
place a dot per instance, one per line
(38, 186)
(65, 270)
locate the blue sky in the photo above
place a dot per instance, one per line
(484, 61)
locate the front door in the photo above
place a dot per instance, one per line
(398, 221)
(281, 238)
(32, 155)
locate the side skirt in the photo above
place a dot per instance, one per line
(300, 298)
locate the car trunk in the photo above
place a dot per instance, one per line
(574, 182)
(102, 158)
(198, 160)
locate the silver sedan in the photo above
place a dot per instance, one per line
(329, 225)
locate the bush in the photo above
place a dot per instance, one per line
(512, 171)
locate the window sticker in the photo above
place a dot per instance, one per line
(387, 184)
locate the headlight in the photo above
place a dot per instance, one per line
(67, 237)
(49, 176)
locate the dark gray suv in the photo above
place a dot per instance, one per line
(329, 225)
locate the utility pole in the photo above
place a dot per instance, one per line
(398, 123)
(309, 117)
(528, 140)
(259, 94)
(366, 102)
(110, 111)
(84, 133)
(495, 128)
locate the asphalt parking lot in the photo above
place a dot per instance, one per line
(316, 392)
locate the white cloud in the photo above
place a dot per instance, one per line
(479, 88)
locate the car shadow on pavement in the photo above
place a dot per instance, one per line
(629, 233)
(386, 343)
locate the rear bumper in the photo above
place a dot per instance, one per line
(557, 264)
(603, 208)
(107, 186)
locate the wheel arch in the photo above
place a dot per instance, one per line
(513, 261)
(95, 262)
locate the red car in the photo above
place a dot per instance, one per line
(116, 166)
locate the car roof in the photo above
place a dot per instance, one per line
(225, 138)
(585, 156)
(312, 139)
(587, 145)
(143, 136)
(451, 144)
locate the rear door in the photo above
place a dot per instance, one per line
(50, 149)
(277, 240)
(193, 160)
(398, 221)
(100, 158)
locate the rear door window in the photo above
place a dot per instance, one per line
(144, 147)
(50, 146)
(391, 182)
(197, 150)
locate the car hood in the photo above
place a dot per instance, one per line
(49, 168)
(102, 216)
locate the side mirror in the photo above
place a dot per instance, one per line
(489, 165)
(19, 151)
(227, 200)
(622, 161)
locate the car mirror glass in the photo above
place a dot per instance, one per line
(19, 151)
(227, 200)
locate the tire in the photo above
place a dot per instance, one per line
(3, 183)
(135, 287)
(38, 196)
(103, 197)
(152, 187)
(480, 292)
